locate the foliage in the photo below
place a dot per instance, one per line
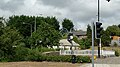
(24, 29)
(105, 38)
(75, 38)
(117, 53)
(53, 22)
(119, 25)
(8, 40)
(89, 32)
(85, 43)
(58, 58)
(113, 30)
(115, 44)
(67, 24)
(54, 58)
(21, 54)
(47, 34)
(44, 49)
(26, 54)
(47, 29)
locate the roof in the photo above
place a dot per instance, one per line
(64, 42)
(79, 32)
(115, 37)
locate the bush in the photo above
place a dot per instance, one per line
(79, 59)
(116, 53)
(26, 54)
(44, 49)
(20, 54)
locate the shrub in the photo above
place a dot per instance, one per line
(116, 53)
(44, 49)
(20, 54)
(26, 54)
(79, 59)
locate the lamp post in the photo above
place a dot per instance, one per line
(30, 27)
(35, 27)
(99, 21)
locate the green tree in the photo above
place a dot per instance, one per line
(1, 23)
(17, 22)
(85, 43)
(119, 25)
(89, 32)
(47, 34)
(105, 38)
(68, 24)
(113, 30)
(1, 26)
(53, 22)
(8, 40)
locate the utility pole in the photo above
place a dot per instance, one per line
(99, 43)
(98, 22)
(35, 25)
(92, 25)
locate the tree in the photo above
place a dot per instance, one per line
(1, 23)
(85, 43)
(24, 29)
(67, 24)
(105, 38)
(89, 32)
(53, 22)
(17, 22)
(113, 30)
(47, 34)
(8, 40)
(119, 25)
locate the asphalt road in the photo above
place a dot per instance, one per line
(110, 60)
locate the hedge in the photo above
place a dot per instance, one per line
(79, 59)
(25, 54)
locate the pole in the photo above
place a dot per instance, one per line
(98, 21)
(92, 25)
(35, 25)
(100, 47)
(98, 10)
(31, 29)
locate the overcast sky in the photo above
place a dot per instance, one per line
(81, 12)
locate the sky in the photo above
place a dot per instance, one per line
(80, 12)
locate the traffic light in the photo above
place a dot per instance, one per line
(98, 29)
(108, 0)
(70, 37)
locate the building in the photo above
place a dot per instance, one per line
(65, 45)
(80, 34)
(115, 40)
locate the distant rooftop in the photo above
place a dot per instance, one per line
(80, 32)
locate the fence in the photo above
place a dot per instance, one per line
(87, 52)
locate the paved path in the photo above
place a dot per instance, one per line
(105, 62)
(101, 65)
(110, 60)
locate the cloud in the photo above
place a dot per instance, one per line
(10, 5)
(81, 12)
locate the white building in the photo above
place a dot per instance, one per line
(65, 45)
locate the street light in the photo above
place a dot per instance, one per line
(35, 27)
(99, 22)
(30, 27)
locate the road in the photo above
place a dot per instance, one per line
(105, 62)
(110, 60)
(101, 65)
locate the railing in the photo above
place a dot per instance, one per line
(86, 52)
